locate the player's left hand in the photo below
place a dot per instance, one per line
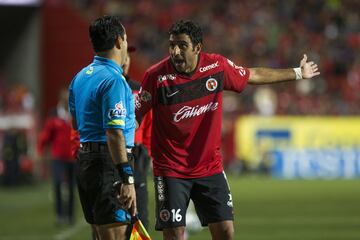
(308, 69)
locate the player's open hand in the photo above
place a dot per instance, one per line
(128, 198)
(308, 69)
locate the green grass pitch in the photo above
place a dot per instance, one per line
(264, 209)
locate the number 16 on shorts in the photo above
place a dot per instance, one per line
(175, 215)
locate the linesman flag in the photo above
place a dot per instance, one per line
(138, 231)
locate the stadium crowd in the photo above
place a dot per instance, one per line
(274, 33)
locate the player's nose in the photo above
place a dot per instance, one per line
(176, 50)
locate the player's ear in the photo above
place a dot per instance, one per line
(198, 48)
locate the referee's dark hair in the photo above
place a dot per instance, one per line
(189, 28)
(104, 31)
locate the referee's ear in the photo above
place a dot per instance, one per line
(118, 42)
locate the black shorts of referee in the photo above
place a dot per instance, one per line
(96, 174)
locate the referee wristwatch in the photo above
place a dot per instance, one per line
(130, 180)
(126, 173)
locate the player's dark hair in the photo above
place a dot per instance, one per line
(104, 31)
(189, 28)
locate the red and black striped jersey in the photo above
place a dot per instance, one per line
(187, 114)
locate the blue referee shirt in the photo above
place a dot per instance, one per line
(100, 98)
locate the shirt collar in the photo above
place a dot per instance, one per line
(108, 62)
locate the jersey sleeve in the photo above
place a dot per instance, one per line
(235, 77)
(145, 99)
(114, 104)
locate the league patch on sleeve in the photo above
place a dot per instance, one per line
(118, 112)
(142, 96)
(145, 96)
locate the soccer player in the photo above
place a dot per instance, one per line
(184, 91)
(102, 106)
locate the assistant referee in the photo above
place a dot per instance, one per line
(102, 106)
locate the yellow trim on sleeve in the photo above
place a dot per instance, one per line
(117, 122)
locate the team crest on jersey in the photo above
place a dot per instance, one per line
(211, 84)
(162, 78)
(164, 215)
(118, 111)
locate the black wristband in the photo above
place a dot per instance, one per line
(126, 173)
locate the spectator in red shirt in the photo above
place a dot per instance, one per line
(57, 133)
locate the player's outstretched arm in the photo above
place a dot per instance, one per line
(306, 70)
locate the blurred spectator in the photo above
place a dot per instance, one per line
(13, 151)
(57, 133)
(15, 99)
(265, 100)
(16, 128)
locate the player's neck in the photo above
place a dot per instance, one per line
(195, 65)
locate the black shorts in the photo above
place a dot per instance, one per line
(96, 175)
(211, 197)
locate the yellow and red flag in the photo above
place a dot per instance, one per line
(139, 231)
